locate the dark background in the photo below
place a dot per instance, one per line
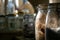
(35, 3)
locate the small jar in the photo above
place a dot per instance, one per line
(40, 22)
(2, 23)
(12, 22)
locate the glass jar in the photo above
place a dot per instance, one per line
(2, 23)
(53, 22)
(40, 22)
(12, 23)
(10, 7)
(15, 22)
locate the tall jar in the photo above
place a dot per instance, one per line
(2, 23)
(53, 20)
(40, 22)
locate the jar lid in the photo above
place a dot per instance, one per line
(54, 1)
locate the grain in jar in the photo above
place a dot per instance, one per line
(40, 22)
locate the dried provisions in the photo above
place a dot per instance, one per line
(40, 22)
(53, 20)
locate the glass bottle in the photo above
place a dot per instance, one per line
(40, 22)
(53, 20)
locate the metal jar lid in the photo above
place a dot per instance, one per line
(54, 1)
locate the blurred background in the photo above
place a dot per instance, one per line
(17, 19)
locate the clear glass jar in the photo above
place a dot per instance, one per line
(2, 23)
(40, 22)
(10, 7)
(53, 21)
(12, 23)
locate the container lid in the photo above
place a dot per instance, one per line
(54, 1)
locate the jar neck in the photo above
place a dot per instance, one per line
(42, 10)
(54, 8)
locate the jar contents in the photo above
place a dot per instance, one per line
(40, 22)
(53, 21)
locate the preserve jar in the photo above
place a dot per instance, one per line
(40, 22)
(53, 20)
